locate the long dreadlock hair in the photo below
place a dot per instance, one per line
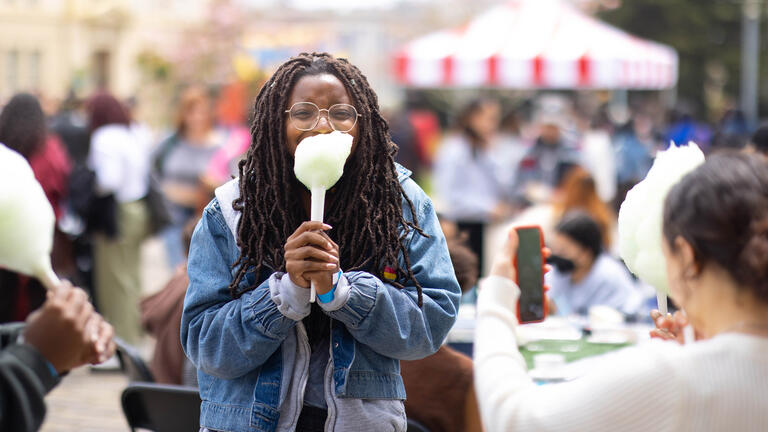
(368, 222)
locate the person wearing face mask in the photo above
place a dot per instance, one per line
(584, 274)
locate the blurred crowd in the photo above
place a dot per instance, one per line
(560, 163)
(113, 182)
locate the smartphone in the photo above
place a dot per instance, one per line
(529, 265)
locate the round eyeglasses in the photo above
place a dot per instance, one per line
(306, 115)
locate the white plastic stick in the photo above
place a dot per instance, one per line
(661, 300)
(689, 334)
(316, 214)
(47, 277)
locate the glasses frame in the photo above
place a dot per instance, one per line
(327, 115)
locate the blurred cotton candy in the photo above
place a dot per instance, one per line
(640, 216)
(26, 219)
(319, 160)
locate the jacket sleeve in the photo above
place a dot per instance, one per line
(388, 319)
(223, 336)
(24, 381)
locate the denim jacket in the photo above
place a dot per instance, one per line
(251, 353)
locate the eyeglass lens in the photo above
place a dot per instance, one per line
(305, 116)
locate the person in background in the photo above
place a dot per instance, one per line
(232, 112)
(635, 147)
(576, 191)
(63, 334)
(180, 162)
(161, 318)
(596, 153)
(402, 133)
(545, 162)
(511, 148)
(579, 192)
(683, 127)
(70, 124)
(23, 129)
(759, 142)
(439, 387)
(585, 275)
(731, 133)
(715, 242)
(120, 158)
(467, 173)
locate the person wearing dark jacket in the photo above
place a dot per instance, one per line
(63, 334)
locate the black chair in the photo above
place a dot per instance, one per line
(161, 408)
(414, 426)
(131, 363)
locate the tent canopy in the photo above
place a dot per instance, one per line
(536, 44)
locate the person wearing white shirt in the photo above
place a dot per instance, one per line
(120, 157)
(469, 176)
(716, 247)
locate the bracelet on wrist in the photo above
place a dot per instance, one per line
(329, 296)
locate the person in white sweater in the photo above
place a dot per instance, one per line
(716, 248)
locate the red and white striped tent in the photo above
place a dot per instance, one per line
(536, 44)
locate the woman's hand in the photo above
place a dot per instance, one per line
(101, 340)
(669, 327)
(504, 259)
(324, 279)
(310, 254)
(59, 329)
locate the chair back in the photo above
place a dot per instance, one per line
(414, 426)
(131, 362)
(161, 408)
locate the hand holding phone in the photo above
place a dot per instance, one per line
(530, 266)
(523, 260)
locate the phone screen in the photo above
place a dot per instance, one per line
(529, 275)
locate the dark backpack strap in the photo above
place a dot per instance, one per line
(165, 149)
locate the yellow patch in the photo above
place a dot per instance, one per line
(389, 273)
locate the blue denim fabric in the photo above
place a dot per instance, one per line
(236, 343)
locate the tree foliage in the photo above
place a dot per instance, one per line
(707, 37)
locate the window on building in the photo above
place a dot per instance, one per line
(35, 69)
(12, 71)
(101, 69)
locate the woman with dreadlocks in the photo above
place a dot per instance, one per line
(267, 358)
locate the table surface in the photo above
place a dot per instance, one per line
(571, 350)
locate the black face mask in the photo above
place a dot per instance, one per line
(563, 265)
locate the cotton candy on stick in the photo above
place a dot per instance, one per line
(640, 216)
(319, 163)
(26, 220)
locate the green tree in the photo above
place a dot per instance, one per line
(707, 37)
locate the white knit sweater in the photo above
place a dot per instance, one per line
(719, 384)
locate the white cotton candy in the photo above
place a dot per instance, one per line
(26, 218)
(640, 216)
(319, 160)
